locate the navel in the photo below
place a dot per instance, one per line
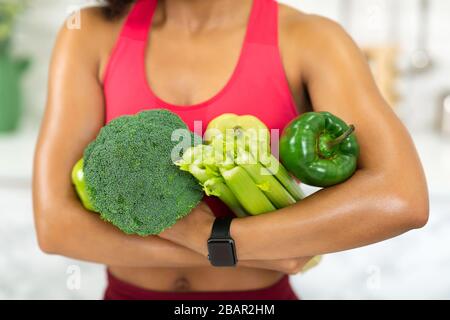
(182, 284)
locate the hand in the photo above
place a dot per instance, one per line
(193, 230)
(287, 266)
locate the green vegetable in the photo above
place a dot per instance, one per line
(200, 162)
(280, 172)
(217, 187)
(319, 149)
(80, 185)
(312, 263)
(237, 167)
(230, 167)
(264, 179)
(130, 178)
(246, 191)
(245, 131)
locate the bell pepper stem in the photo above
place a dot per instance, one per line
(342, 137)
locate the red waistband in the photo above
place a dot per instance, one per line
(120, 290)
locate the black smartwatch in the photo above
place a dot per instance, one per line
(221, 248)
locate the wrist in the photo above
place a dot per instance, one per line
(192, 231)
(236, 232)
(201, 234)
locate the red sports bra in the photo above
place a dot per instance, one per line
(257, 86)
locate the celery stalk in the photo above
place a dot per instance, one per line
(199, 162)
(217, 187)
(249, 195)
(264, 179)
(312, 263)
(199, 173)
(281, 173)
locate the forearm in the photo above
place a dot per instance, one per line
(385, 197)
(356, 213)
(363, 210)
(79, 234)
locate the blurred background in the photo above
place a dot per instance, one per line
(407, 43)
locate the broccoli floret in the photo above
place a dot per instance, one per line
(131, 178)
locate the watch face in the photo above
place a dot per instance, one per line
(221, 252)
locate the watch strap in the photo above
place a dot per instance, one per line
(221, 228)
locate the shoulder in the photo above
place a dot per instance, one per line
(86, 24)
(87, 36)
(310, 29)
(311, 38)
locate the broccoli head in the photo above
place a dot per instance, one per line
(131, 178)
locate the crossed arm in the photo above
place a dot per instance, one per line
(73, 117)
(386, 197)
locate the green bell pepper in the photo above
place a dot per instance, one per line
(80, 185)
(319, 149)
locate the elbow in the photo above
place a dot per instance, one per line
(419, 216)
(413, 210)
(47, 238)
(46, 245)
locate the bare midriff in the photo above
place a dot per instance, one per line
(197, 279)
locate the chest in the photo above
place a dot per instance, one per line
(189, 69)
(200, 75)
(186, 70)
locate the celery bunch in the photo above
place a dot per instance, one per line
(248, 180)
(236, 166)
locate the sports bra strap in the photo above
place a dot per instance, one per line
(263, 26)
(139, 19)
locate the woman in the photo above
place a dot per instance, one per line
(201, 59)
